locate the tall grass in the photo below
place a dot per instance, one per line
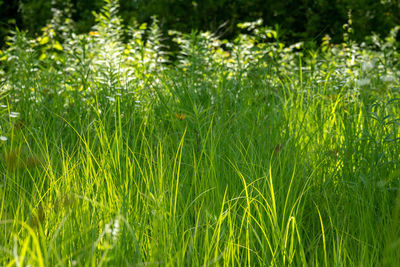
(238, 153)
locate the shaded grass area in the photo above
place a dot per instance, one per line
(253, 155)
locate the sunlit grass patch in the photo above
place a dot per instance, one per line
(246, 152)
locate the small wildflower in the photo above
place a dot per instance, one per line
(180, 116)
(387, 78)
(14, 114)
(3, 138)
(92, 33)
(363, 82)
(112, 99)
(367, 65)
(115, 230)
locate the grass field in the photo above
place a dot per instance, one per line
(242, 153)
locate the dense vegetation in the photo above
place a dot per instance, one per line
(299, 20)
(242, 152)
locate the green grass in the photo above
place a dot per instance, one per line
(256, 155)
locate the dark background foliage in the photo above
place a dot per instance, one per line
(305, 20)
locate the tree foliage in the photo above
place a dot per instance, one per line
(299, 19)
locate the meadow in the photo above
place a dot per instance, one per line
(250, 152)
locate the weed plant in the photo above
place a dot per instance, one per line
(242, 153)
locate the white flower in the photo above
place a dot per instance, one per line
(115, 231)
(3, 138)
(112, 99)
(14, 114)
(387, 78)
(363, 82)
(367, 65)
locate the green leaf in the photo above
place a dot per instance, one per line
(44, 40)
(58, 46)
(42, 56)
(143, 26)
